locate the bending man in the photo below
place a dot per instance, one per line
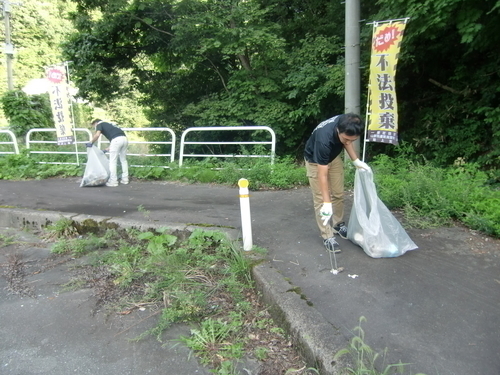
(117, 149)
(325, 171)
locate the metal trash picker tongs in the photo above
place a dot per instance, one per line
(335, 270)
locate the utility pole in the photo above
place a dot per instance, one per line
(9, 48)
(352, 73)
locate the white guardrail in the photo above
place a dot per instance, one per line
(182, 153)
(13, 142)
(103, 140)
(272, 142)
(75, 152)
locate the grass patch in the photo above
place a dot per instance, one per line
(198, 277)
(365, 360)
(6, 240)
(431, 196)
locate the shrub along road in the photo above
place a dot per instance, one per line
(437, 307)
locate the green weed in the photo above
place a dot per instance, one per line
(142, 210)
(261, 353)
(200, 279)
(215, 339)
(63, 228)
(365, 360)
(78, 246)
(6, 240)
(181, 274)
(23, 166)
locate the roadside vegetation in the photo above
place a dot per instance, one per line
(427, 195)
(199, 278)
(366, 361)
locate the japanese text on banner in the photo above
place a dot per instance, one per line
(383, 107)
(59, 101)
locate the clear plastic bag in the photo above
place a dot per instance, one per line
(371, 225)
(97, 169)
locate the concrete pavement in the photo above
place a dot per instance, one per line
(436, 307)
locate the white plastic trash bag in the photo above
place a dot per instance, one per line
(97, 169)
(371, 225)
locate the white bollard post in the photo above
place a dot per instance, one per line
(246, 221)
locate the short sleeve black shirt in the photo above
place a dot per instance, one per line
(109, 130)
(324, 144)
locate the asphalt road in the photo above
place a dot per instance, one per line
(437, 307)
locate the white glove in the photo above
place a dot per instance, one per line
(361, 164)
(326, 212)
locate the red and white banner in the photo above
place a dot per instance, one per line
(60, 103)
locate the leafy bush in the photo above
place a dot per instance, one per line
(25, 112)
(15, 167)
(485, 213)
(283, 174)
(22, 166)
(431, 196)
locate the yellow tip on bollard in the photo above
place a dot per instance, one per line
(243, 183)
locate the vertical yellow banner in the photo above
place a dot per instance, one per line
(60, 103)
(382, 105)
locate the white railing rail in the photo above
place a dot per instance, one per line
(103, 140)
(271, 143)
(30, 142)
(170, 142)
(13, 142)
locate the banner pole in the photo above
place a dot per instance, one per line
(369, 96)
(66, 65)
(368, 116)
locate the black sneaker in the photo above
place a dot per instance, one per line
(332, 245)
(341, 230)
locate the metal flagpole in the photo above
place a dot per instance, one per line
(368, 115)
(66, 65)
(369, 97)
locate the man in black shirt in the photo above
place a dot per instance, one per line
(117, 149)
(325, 171)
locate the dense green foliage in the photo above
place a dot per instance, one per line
(215, 63)
(448, 79)
(431, 196)
(277, 63)
(37, 29)
(26, 111)
(20, 167)
(280, 63)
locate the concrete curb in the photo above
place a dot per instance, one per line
(32, 219)
(317, 340)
